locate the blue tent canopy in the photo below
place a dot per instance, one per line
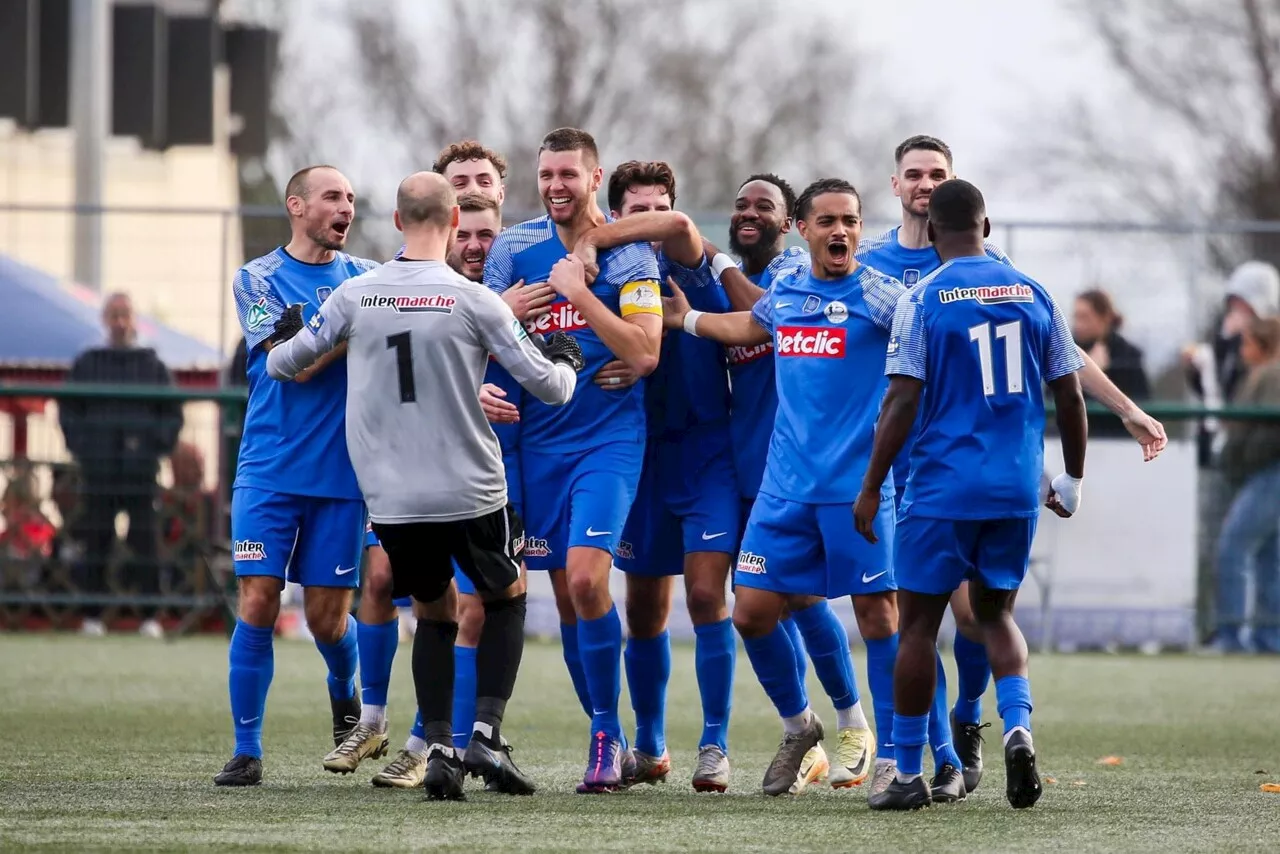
(44, 322)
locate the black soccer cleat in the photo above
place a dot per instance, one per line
(967, 740)
(902, 796)
(947, 785)
(445, 774)
(493, 762)
(346, 714)
(242, 770)
(1022, 779)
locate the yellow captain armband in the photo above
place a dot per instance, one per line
(640, 298)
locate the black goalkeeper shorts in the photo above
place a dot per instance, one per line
(422, 554)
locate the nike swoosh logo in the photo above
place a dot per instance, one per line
(867, 579)
(245, 722)
(340, 571)
(707, 536)
(782, 305)
(591, 532)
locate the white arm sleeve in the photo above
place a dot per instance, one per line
(327, 328)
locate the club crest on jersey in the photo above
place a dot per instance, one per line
(894, 345)
(738, 355)
(249, 550)
(751, 564)
(910, 277)
(989, 294)
(411, 304)
(625, 550)
(323, 294)
(257, 314)
(814, 341)
(517, 329)
(811, 304)
(563, 317)
(536, 547)
(316, 322)
(836, 312)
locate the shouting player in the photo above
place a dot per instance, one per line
(296, 509)
(826, 324)
(971, 347)
(685, 516)
(581, 463)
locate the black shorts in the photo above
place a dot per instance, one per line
(422, 554)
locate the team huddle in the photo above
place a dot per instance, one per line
(588, 391)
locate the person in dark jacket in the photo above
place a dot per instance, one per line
(118, 443)
(1095, 324)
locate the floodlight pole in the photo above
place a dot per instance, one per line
(90, 108)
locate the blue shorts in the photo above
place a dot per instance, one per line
(315, 542)
(687, 502)
(935, 555)
(577, 499)
(814, 550)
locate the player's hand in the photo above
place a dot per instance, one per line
(674, 307)
(1064, 495)
(529, 302)
(616, 376)
(563, 347)
(586, 251)
(497, 410)
(1149, 433)
(569, 277)
(865, 510)
(289, 324)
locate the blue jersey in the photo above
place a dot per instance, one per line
(829, 343)
(982, 337)
(886, 254)
(627, 283)
(295, 439)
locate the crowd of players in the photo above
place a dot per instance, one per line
(723, 409)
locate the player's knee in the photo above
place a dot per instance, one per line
(326, 610)
(470, 620)
(753, 622)
(587, 592)
(259, 600)
(377, 575)
(706, 602)
(877, 615)
(644, 620)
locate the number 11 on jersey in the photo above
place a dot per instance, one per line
(1012, 335)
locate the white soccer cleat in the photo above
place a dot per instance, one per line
(855, 753)
(151, 629)
(813, 769)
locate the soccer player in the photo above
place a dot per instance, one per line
(581, 463)
(971, 347)
(429, 464)
(296, 509)
(826, 323)
(684, 519)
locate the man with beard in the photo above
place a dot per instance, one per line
(297, 513)
(582, 461)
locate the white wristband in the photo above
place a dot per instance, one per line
(1068, 489)
(720, 263)
(691, 322)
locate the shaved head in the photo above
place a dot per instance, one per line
(426, 198)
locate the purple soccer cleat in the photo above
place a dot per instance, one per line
(604, 766)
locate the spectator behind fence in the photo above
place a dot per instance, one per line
(186, 515)
(26, 536)
(1095, 324)
(1251, 467)
(118, 443)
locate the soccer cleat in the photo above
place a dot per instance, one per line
(814, 768)
(855, 756)
(445, 774)
(493, 762)
(947, 785)
(711, 773)
(240, 771)
(406, 771)
(784, 771)
(361, 743)
(629, 768)
(604, 766)
(902, 796)
(883, 775)
(346, 715)
(1022, 785)
(967, 740)
(650, 769)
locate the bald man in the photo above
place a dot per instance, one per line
(429, 465)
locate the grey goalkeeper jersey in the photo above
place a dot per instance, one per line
(419, 337)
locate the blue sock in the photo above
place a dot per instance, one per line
(797, 645)
(715, 654)
(828, 644)
(464, 694)
(909, 736)
(418, 730)
(944, 752)
(881, 655)
(648, 670)
(1013, 700)
(376, 644)
(973, 670)
(573, 660)
(774, 661)
(600, 644)
(342, 658)
(252, 660)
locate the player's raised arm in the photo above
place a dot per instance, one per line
(297, 346)
(551, 377)
(679, 237)
(635, 337)
(741, 328)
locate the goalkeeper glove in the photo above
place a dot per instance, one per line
(563, 347)
(289, 324)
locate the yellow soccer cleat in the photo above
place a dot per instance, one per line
(813, 769)
(363, 742)
(406, 771)
(855, 756)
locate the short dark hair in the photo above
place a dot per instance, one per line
(298, 185)
(956, 206)
(475, 202)
(788, 194)
(431, 207)
(1103, 306)
(640, 173)
(469, 149)
(921, 142)
(820, 187)
(571, 139)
